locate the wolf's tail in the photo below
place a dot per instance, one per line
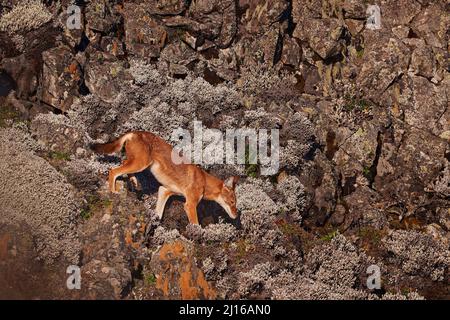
(111, 147)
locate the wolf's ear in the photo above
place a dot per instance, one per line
(231, 182)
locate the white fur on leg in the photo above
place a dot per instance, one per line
(163, 195)
(134, 181)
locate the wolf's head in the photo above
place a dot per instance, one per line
(227, 197)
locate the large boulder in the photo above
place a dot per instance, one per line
(178, 57)
(428, 106)
(23, 72)
(166, 7)
(259, 15)
(385, 59)
(210, 20)
(430, 24)
(322, 35)
(61, 76)
(104, 76)
(101, 16)
(410, 160)
(144, 36)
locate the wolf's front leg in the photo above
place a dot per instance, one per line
(112, 181)
(163, 196)
(134, 182)
(190, 207)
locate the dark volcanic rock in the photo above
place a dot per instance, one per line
(104, 76)
(61, 77)
(144, 35)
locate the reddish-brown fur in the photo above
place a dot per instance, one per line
(144, 149)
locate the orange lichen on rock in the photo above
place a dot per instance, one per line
(177, 274)
(128, 238)
(163, 285)
(73, 67)
(188, 291)
(208, 291)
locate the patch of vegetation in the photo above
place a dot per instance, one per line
(8, 116)
(405, 291)
(353, 103)
(329, 236)
(296, 234)
(94, 204)
(85, 214)
(360, 53)
(371, 235)
(114, 71)
(150, 279)
(59, 155)
(251, 169)
(243, 246)
(289, 229)
(177, 33)
(366, 172)
(100, 58)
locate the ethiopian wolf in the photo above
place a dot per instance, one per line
(144, 149)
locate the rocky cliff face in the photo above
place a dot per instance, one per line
(364, 122)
